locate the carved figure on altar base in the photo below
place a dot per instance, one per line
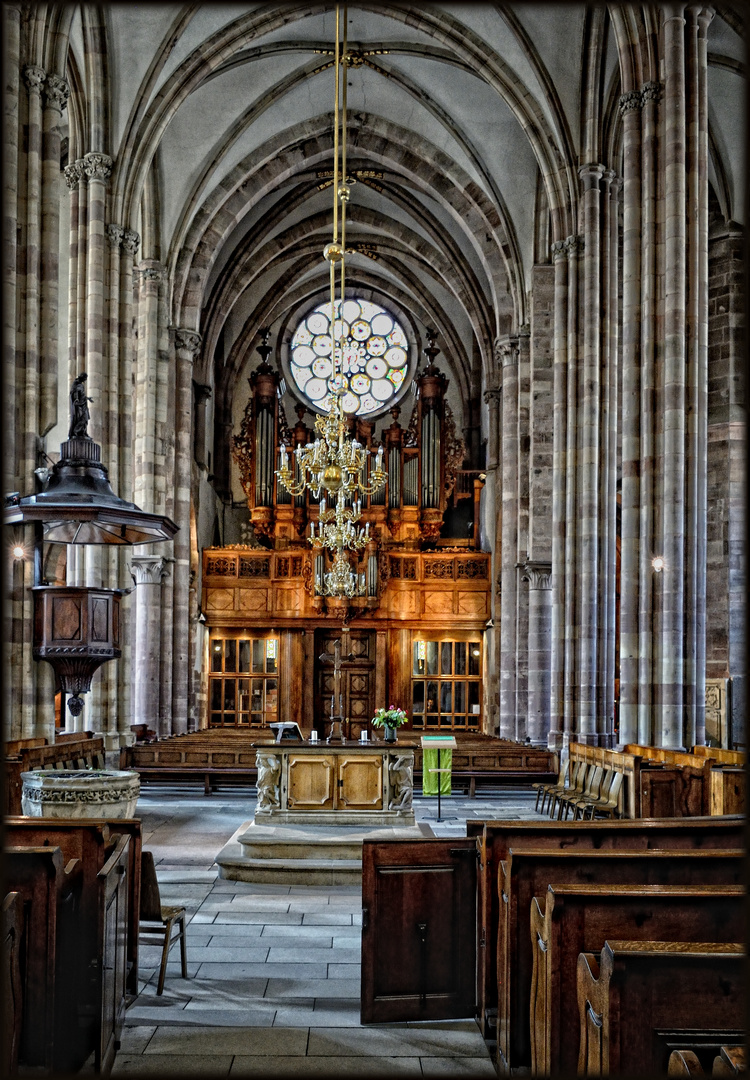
(402, 781)
(269, 772)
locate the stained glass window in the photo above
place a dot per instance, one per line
(373, 362)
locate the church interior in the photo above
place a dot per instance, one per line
(375, 458)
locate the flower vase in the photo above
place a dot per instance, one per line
(390, 733)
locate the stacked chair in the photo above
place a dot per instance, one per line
(589, 791)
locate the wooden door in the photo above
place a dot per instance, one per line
(312, 781)
(360, 784)
(418, 930)
(357, 679)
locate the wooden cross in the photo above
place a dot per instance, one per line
(337, 695)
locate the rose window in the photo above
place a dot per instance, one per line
(371, 357)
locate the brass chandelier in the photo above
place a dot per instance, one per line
(334, 466)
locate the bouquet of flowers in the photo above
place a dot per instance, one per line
(391, 717)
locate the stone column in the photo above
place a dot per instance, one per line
(671, 673)
(559, 499)
(186, 345)
(523, 440)
(11, 14)
(642, 675)
(202, 396)
(509, 539)
(148, 572)
(540, 639)
(630, 105)
(55, 95)
(125, 353)
(588, 474)
(145, 449)
(608, 584)
(493, 398)
(574, 249)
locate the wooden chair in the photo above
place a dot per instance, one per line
(543, 790)
(157, 921)
(608, 807)
(590, 792)
(574, 786)
(583, 806)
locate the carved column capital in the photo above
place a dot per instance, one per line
(591, 174)
(34, 77)
(186, 341)
(114, 235)
(574, 246)
(493, 395)
(202, 393)
(131, 241)
(56, 93)
(149, 569)
(558, 250)
(506, 350)
(538, 574)
(630, 102)
(151, 270)
(651, 91)
(73, 174)
(97, 166)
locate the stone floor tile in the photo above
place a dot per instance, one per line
(324, 1067)
(247, 934)
(213, 992)
(249, 1041)
(135, 1039)
(326, 918)
(458, 1066)
(396, 1042)
(345, 971)
(279, 918)
(167, 877)
(337, 1016)
(157, 1065)
(202, 917)
(193, 1015)
(353, 942)
(299, 937)
(312, 951)
(311, 972)
(240, 954)
(281, 988)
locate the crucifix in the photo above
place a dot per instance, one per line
(337, 697)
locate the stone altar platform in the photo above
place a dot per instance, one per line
(290, 854)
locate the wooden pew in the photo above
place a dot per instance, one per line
(91, 841)
(79, 752)
(494, 839)
(49, 890)
(572, 919)
(643, 999)
(10, 984)
(526, 873)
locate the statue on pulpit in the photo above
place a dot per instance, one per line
(79, 409)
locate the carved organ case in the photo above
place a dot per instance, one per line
(416, 627)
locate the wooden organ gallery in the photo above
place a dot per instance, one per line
(415, 628)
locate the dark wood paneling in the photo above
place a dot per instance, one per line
(418, 930)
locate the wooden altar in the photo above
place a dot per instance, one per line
(346, 784)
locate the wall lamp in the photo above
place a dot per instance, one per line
(657, 564)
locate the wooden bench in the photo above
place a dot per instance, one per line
(49, 890)
(640, 1000)
(90, 841)
(572, 919)
(80, 751)
(196, 755)
(707, 777)
(526, 873)
(730, 1061)
(495, 838)
(10, 984)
